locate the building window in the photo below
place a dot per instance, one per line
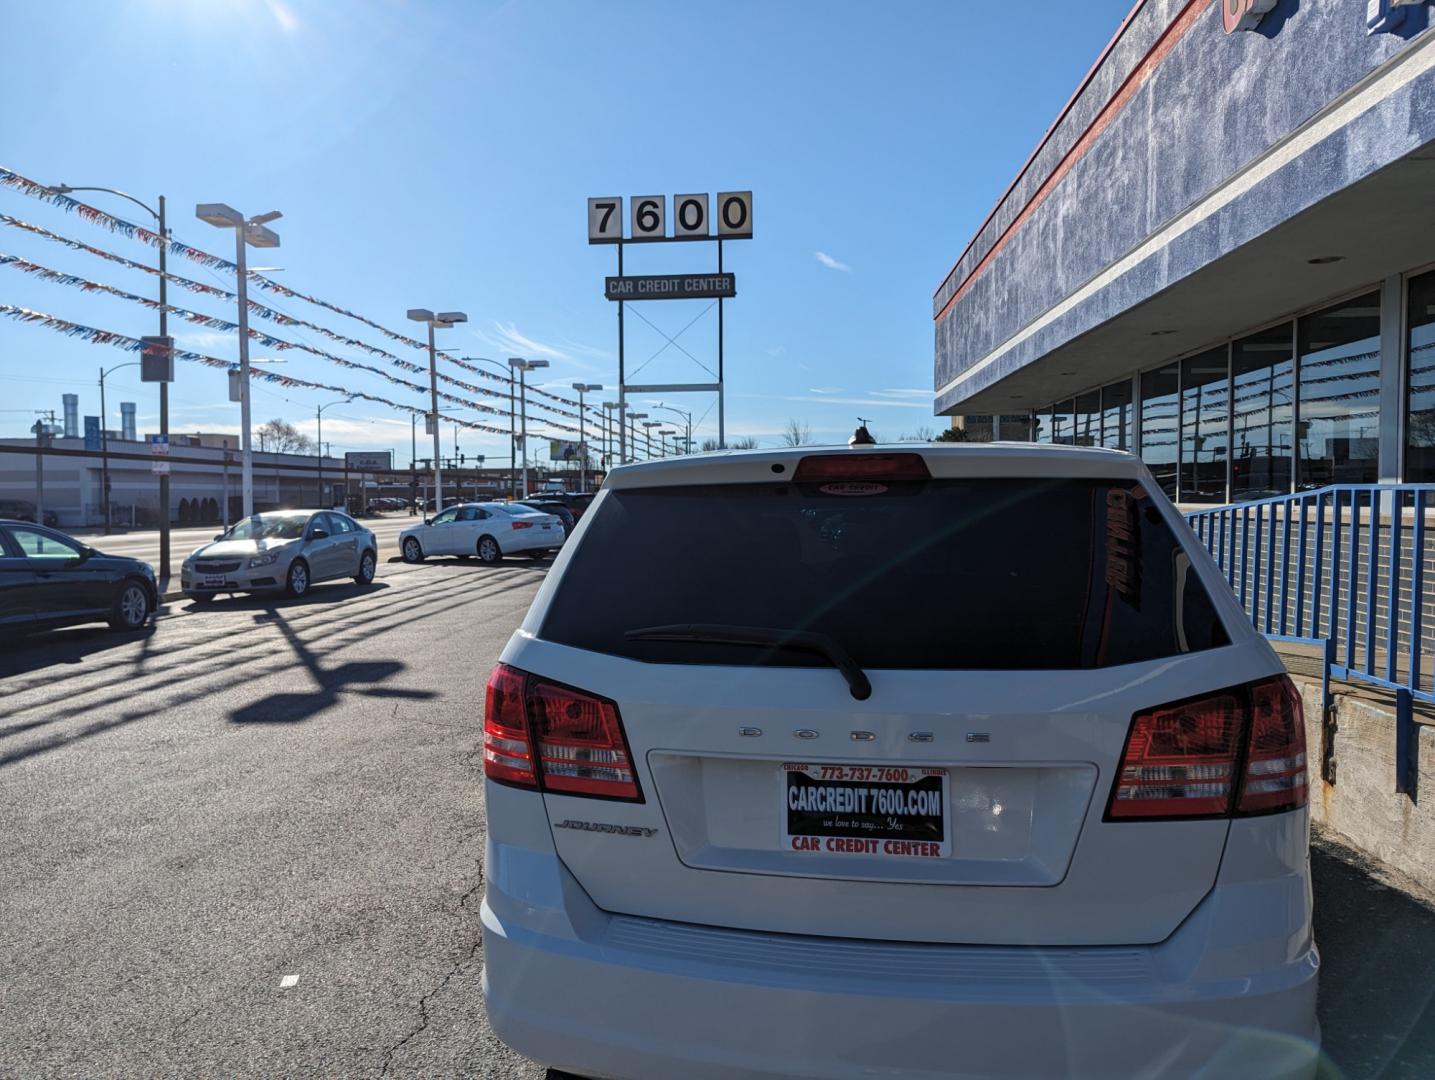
(1088, 419)
(1041, 425)
(1205, 396)
(1116, 415)
(978, 427)
(1339, 422)
(1063, 422)
(1160, 410)
(1420, 429)
(1014, 427)
(1263, 370)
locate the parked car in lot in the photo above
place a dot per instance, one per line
(489, 530)
(282, 550)
(557, 509)
(956, 760)
(577, 503)
(48, 579)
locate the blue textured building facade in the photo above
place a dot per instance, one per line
(1220, 255)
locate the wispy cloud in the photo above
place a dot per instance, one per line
(775, 350)
(513, 341)
(831, 263)
(204, 339)
(825, 389)
(904, 392)
(824, 399)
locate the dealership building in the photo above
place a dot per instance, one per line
(1221, 255)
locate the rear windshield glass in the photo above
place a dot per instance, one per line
(974, 574)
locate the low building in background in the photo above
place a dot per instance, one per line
(1221, 255)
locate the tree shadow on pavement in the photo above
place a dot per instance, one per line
(1377, 979)
(359, 677)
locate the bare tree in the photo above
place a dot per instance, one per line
(796, 433)
(745, 442)
(281, 437)
(922, 434)
(953, 434)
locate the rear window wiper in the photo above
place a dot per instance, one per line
(803, 640)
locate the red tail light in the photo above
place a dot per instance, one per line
(1237, 751)
(892, 467)
(523, 524)
(507, 750)
(1275, 757)
(581, 748)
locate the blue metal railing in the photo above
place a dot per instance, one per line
(1354, 586)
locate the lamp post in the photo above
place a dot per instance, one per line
(583, 388)
(253, 232)
(663, 440)
(648, 426)
(687, 418)
(158, 215)
(523, 367)
(442, 321)
(105, 441)
(633, 418)
(609, 407)
(512, 431)
(319, 442)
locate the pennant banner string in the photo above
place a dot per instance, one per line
(256, 308)
(269, 341)
(94, 215)
(97, 336)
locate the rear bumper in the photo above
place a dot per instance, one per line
(622, 997)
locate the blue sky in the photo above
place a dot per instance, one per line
(440, 154)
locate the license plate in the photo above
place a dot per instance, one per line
(212, 581)
(886, 812)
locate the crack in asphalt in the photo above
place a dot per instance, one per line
(423, 1023)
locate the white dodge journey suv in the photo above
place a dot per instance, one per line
(895, 761)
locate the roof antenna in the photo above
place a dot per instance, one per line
(861, 437)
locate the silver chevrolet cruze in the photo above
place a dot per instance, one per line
(286, 549)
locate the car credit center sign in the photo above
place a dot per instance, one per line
(671, 287)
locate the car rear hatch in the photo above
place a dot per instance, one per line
(1010, 628)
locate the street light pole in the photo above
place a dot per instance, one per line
(319, 444)
(582, 442)
(105, 441)
(252, 232)
(687, 418)
(523, 367)
(633, 418)
(158, 215)
(442, 321)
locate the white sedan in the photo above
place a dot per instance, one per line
(489, 530)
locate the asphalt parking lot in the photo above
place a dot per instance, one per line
(248, 843)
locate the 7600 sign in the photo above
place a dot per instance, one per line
(648, 216)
